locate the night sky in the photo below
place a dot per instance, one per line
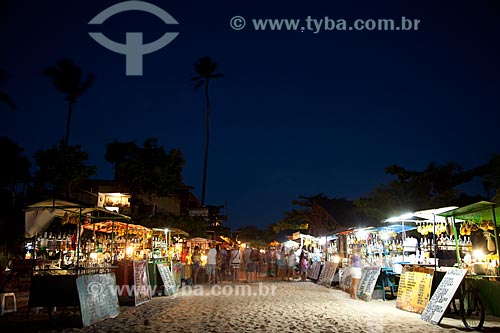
(297, 112)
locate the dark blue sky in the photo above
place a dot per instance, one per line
(297, 113)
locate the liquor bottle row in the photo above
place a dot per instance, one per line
(445, 243)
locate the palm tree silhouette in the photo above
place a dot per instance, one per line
(67, 77)
(3, 96)
(205, 70)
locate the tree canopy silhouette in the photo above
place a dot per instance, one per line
(68, 78)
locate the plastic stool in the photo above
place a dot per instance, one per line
(2, 310)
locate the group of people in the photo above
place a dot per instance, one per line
(226, 264)
(287, 265)
(247, 263)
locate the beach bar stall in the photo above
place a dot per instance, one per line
(64, 268)
(480, 222)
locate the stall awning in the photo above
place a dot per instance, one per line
(40, 215)
(477, 212)
(397, 228)
(173, 231)
(109, 226)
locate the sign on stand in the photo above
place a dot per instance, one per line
(414, 289)
(98, 297)
(345, 279)
(326, 276)
(367, 283)
(313, 273)
(142, 289)
(167, 278)
(434, 311)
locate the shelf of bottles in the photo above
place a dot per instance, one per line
(97, 248)
(384, 249)
(375, 245)
(159, 246)
(446, 243)
(54, 249)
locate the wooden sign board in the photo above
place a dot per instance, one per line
(414, 291)
(434, 311)
(313, 273)
(367, 283)
(98, 297)
(345, 279)
(326, 276)
(142, 289)
(167, 278)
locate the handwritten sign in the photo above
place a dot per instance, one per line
(167, 278)
(313, 273)
(367, 283)
(434, 311)
(345, 279)
(98, 297)
(142, 290)
(326, 276)
(414, 291)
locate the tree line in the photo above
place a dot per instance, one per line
(61, 169)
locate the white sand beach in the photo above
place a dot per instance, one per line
(269, 306)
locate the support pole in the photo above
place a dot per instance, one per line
(434, 243)
(493, 217)
(455, 232)
(78, 226)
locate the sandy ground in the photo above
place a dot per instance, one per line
(268, 306)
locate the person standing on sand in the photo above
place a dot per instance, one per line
(303, 263)
(355, 272)
(196, 260)
(235, 264)
(211, 264)
(219, 264)
(249, 264)
(279, 263)
(291, 264)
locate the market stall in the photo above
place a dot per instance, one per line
(54, 231)
(480, 222)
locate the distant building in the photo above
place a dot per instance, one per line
(113, 196)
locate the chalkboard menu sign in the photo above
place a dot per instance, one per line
(367, 283)
(414, 290)
(167, 278)
(142, 290)
(98, 297)
(326, 276)
(313, 273)
(434, 311)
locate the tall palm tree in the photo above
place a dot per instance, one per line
(67, 77)
(3, 96)
(205, 70)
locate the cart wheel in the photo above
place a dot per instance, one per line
(472, 310)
